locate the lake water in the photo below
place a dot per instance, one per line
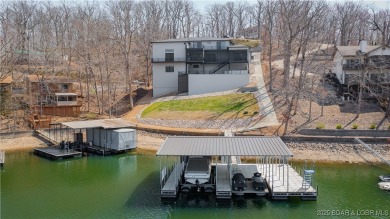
(126, 186)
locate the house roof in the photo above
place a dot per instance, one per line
(223, 146)
(50, 78)
(351, 50)
(100, 123)
(192, 39)
(6, 80)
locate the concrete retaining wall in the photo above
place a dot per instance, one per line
(342, 132)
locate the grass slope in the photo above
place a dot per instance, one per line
(217, 107)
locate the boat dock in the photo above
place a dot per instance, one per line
(56, 153)
(2, 158)
(100, 137)
(280, 179)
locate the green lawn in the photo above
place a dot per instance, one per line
(217, 107)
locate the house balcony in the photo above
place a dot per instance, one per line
(215, 48)
(354, 66)
(238, 60)
(228, 72)
(165, 60)
(213, 60)
(194, 59)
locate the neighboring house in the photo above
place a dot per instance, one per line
(351, 61)
(249, 33)
(5, 93)
(52, 95)
(198, 65)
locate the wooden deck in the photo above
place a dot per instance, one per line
(284, 181)
(170, 188)
(222, 183)
(56, 153)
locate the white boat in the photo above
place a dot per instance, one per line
(384, 178)
(384, 186)
(198, 170)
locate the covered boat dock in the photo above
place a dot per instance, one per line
(269, 156)
(102, 137)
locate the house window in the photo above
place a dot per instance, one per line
(62, 98)
(169, 55)
(196, 66)
(169, 68)
(65, 86)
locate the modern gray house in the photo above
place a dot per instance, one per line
(198, 65)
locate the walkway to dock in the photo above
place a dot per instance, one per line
(2, 158)
(374, 152)
(170, 187)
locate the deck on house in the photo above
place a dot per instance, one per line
(170, 187)
(284, 181)
(56, 153)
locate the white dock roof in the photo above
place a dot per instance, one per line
(101, 123)
(224, 146)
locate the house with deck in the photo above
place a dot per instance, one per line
(52, 95)
(370, 61)
(198, 65)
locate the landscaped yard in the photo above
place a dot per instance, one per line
(216, 107)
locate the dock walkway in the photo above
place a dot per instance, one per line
(170, 188)
(2, 158)
(222, 183)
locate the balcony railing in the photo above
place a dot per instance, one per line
(195, 59)
(215, 48)
(230, 72)
(353, 66)
(162, 60)
(238, 59)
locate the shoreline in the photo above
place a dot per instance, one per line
(149, 143)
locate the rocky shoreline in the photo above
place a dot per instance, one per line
(318, 152)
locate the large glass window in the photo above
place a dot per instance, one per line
(169, 68)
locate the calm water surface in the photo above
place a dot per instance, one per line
(126, 186)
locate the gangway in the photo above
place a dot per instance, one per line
(374, 152)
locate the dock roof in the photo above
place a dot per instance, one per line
(101, 123)
(224, 146)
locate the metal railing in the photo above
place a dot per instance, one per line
(161, 60)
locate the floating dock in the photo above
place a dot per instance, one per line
(284, 181)
(280, 178)
(56, 153)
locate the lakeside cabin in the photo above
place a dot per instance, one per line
(222, 173)
(101, 137)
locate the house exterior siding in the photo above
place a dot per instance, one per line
(210, 58)
(208, 83)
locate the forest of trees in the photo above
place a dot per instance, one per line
(107, 44)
